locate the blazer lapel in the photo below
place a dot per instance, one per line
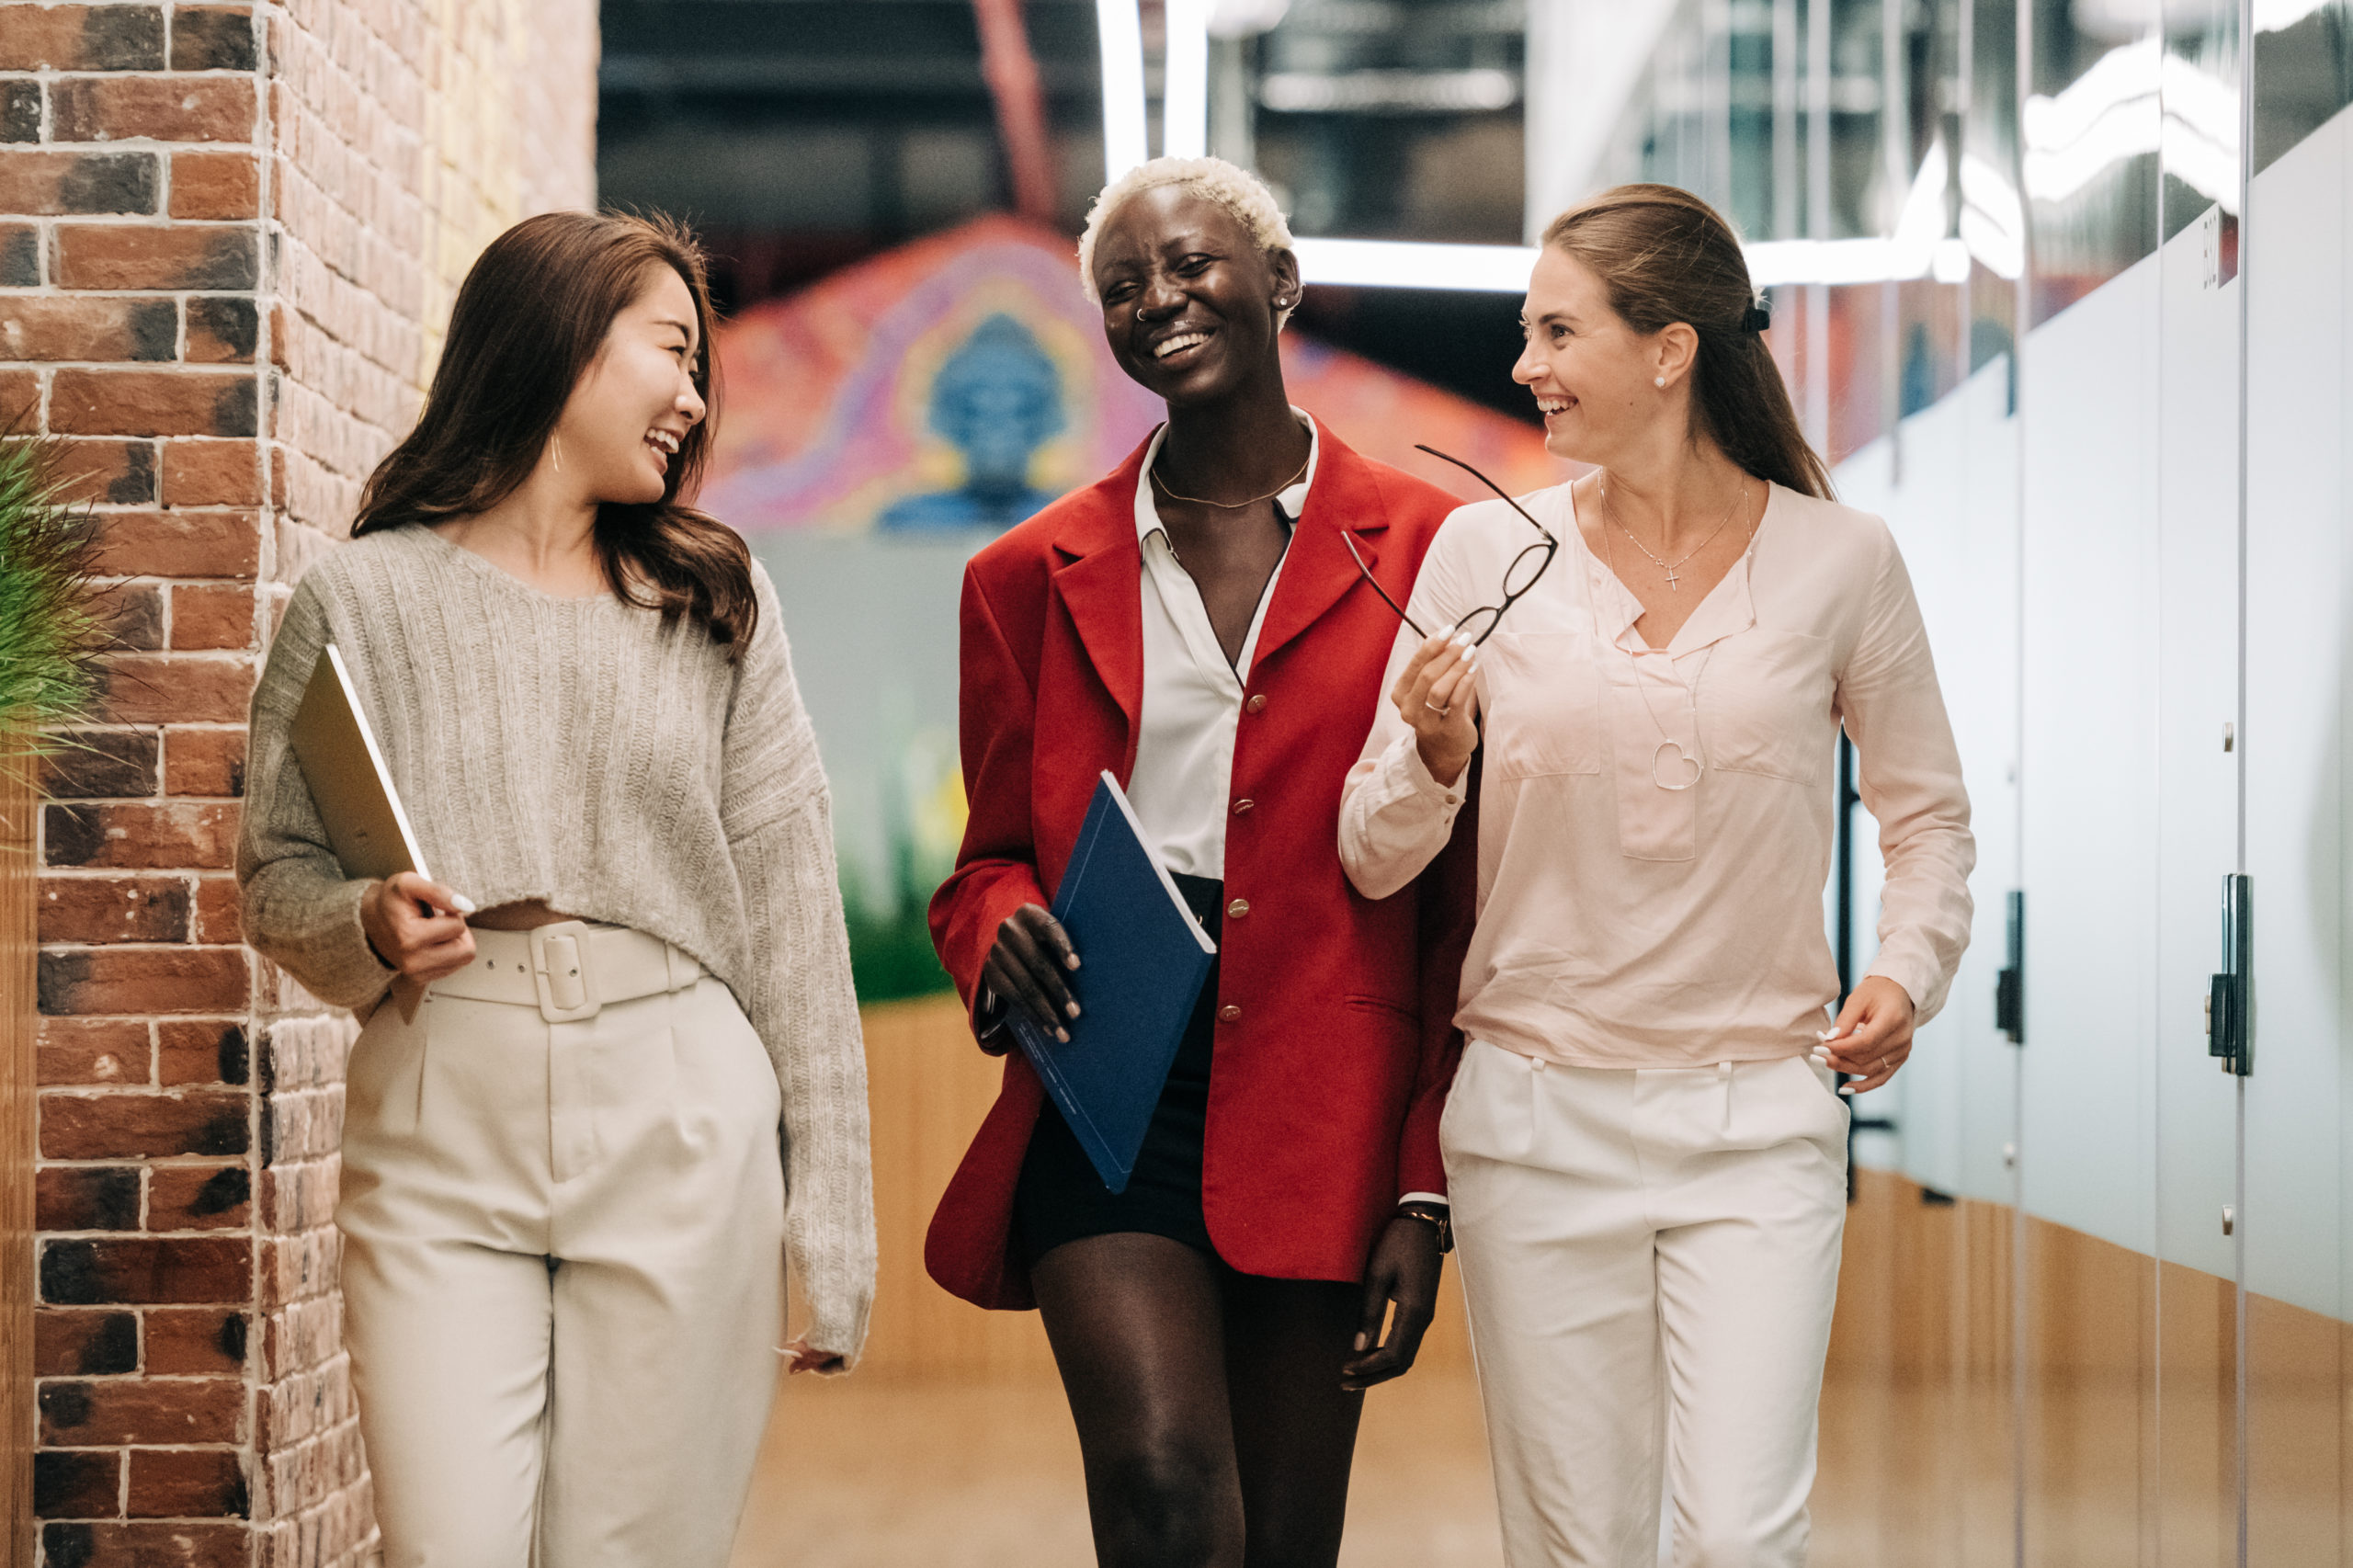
(1345, 500)
(1101, 586)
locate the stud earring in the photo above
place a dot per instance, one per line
(1658, 381)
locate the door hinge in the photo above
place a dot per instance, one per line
(2229, 998)
(2010, 986)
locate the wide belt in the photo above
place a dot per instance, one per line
(570, 970)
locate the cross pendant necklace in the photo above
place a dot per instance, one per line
(1669, 567)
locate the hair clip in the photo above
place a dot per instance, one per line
(1756, 318)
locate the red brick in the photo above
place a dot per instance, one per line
(140, 834)
(195, 1342)
(144, 980)
(109, 1414)
(188, 1483)
(121, 473)
(91, 764)
(86, 1198)
(161, 108)
(210, 474)
(78, 1483)
(19, 393)
(81, 38)
(87, 327)
(216, 185)
(198, 1198)
(115, 909)
(19, 256)
(212, 38)
(204, 762)
(222, 329)
(143, 1270)
(141, 255)
(94, 1050)
(43, 183)
(173, 1545)
(86, 1345)
(178, 544)
(220, 915)
(132, 614)
(203, 1050)
(151, 403)
(77, 1125)
(154, 688)
(214, 615)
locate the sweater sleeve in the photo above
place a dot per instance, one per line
(777, 817)
(1911, 782)
(299, 909)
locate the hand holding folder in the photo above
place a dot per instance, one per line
(1145, 958)
(367, 826)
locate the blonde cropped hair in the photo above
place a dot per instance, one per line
(1235, 188)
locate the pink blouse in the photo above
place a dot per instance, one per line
(1656, 826)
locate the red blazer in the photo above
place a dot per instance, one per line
(1334, 1042)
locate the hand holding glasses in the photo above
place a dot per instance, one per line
(1437, 694)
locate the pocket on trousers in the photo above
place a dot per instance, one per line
(384, 1079)
(1489, 1107)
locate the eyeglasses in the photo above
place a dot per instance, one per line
(1518, 577)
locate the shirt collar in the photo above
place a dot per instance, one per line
(1291, 500)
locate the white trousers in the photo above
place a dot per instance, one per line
(1650, 1258)
(563, 1272)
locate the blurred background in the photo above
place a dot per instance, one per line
(2060, 288)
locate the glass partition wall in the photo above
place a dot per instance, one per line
(2081, 330)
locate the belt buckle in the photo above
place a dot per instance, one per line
(563, 974)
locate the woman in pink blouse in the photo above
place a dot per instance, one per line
(1644, 1145)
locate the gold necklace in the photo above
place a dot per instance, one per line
(1673, 582)
(1176, 495)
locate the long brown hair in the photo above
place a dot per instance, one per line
(530, 320)
(1667, 257)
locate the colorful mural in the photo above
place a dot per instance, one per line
(879, 427)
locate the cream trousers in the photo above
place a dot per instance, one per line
(562, 1268)
(1650, 1258)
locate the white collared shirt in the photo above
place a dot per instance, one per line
(1192, 697)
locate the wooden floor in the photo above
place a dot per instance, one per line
(985, 1475)
(963, 1472)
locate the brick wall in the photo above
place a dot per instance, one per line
(228, 239)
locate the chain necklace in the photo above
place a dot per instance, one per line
(1674, 584)
(1176, 495)
(1697, 763)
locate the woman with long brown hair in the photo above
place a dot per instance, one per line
(565, 1207)
(1644, 1145)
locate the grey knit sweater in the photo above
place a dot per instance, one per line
(580, 752)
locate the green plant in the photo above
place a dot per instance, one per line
(51, 634)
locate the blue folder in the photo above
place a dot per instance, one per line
(1143, 958)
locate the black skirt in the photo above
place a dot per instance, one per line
(1060, 1198)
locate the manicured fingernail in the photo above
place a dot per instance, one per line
(1062, 1035)
(1446, 630)
(1360, 1344)
(1846, 1088)
(1072, 1009)
(1828, 1034)
(1071, 962)
(461, 903)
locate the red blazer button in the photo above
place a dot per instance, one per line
(1228, 1014)
(1243, 805)
(1256, 703)
(1237, 909)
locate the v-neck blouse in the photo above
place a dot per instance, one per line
(1625, 921)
